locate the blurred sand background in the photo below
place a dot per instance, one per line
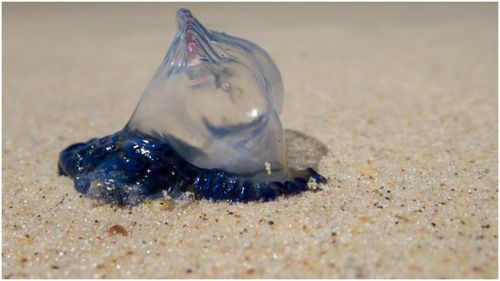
(398, 102)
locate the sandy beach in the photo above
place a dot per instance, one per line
(396, 104)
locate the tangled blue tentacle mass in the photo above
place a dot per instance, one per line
(126, 169)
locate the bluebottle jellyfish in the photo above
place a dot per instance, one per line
(208, 123)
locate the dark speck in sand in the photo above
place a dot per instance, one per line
(118, 230)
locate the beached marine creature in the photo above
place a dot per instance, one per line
(208, 123)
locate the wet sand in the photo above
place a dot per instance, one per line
(395, 103)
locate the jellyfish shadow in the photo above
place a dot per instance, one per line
(303, 151)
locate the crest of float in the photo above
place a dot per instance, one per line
(216, 100)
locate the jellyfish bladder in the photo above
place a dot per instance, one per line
(216, 99)
(210, 118)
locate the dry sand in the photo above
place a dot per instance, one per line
(398, 102)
